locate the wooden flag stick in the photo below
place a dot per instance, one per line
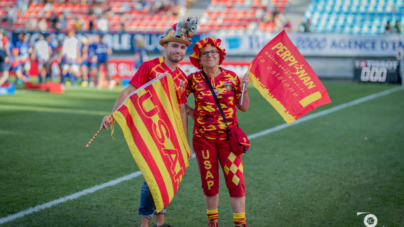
(93, 137)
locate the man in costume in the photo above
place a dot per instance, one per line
(175, 49)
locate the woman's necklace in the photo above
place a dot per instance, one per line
(212, 77)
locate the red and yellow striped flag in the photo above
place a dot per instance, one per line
(286, 80)
(151, 123)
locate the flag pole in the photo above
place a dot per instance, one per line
(242, 95)
(93, 138)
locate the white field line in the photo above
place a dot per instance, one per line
(324, 112)
(138, 173)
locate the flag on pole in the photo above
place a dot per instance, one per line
(151, 123)
(286, 80)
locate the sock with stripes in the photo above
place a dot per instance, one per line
(239, 218)
(213, 215)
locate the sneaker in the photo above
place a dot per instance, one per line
(84, 84)
(91, 84)
(164, 225)
(68, 83)
(213, 224)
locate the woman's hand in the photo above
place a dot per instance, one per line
(106, 121)
(190, 112)
(246, 80)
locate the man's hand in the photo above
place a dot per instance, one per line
(106, 121)
(246, 80)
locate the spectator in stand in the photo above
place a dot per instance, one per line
(397, 27)
(43, 25)
(78, 24)
(90, 20)
(268, 17)
(279, 18)
(123, 21)
(306, 27)
(389, 29)
(102, 24)
(31, 24)
(53, 19)
(4, 56)
(61, 23)
(287, 26)
(10, 15)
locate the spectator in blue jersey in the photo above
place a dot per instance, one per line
(84, 61)
(92, 58)
(25, 49)
(102, 52)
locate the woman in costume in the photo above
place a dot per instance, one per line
(210, 142)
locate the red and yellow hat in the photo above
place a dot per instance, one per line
(202, 44)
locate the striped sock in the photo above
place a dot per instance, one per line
(239, 218)
(213, 215)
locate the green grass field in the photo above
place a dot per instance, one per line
(317, 173)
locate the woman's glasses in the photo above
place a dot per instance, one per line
(206, 53)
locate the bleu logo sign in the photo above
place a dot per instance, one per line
(234, 42)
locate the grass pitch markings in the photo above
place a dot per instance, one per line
(138, 173)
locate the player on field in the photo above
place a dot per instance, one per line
(4, 56)
(175, 49)
(16, 66)
(84, 61)
(25, 49)
(69, 57)
(42, 52)
(92, 59)
(102, 51)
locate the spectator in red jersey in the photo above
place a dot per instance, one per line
(210, 141)
(287, 26)
(4, 56)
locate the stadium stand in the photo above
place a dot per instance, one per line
(241, 15)
(120, 15)
(368, 17)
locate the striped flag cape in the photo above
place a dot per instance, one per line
(151, 123)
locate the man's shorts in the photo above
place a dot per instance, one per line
(43, 63)
(69, 63)
(84, 63)
(3, 67)
(208, 154)
(92, 65)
